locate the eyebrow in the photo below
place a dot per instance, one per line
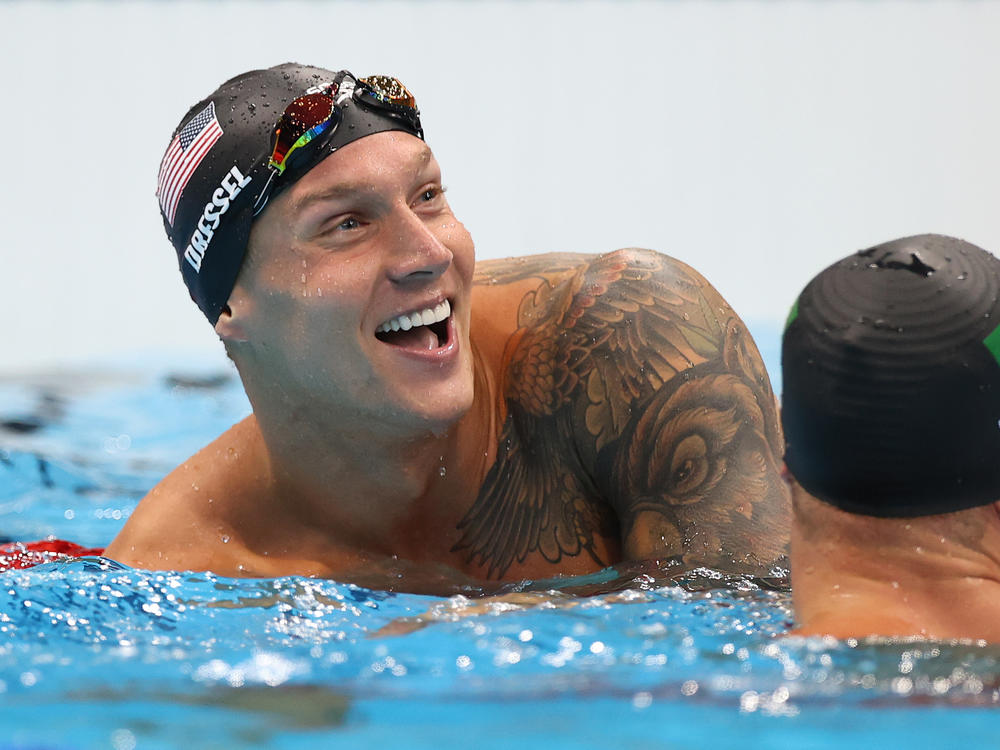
(344, 190)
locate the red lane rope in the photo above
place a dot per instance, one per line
(19, 555)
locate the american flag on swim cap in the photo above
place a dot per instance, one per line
(183, 156)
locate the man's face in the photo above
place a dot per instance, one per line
(356, 295)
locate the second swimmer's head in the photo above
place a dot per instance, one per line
(891, 380)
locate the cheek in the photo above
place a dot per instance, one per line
(306, 313)
(338, 287)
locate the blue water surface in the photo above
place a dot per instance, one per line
(96, 655)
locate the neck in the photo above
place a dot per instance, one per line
(935, 577)
(350, 481)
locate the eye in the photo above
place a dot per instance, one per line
(347, 224)
(689, 465)
(683, 471)
(339, 226)
(430, 194)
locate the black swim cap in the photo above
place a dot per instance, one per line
(891, 373)
(216, 167)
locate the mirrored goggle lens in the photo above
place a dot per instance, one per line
(304, 119)
(389, 95)
(389, 90)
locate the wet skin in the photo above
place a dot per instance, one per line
(571, 411)
(366, 236)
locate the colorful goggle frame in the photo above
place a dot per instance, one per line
(312, 119)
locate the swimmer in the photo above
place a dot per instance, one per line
(891, 410)
(520, 418)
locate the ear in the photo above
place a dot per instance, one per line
(231, 325)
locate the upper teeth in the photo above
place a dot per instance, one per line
(422, 318)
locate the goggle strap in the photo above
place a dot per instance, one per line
(265, 192)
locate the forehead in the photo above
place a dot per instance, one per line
(387, 158)
(370, 166)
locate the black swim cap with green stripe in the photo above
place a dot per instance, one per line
(891, 380)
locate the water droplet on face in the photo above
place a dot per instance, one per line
(442, 471)
(225, 538)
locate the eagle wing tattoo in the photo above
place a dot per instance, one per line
(597, 341)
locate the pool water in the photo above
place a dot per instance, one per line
(96, 655)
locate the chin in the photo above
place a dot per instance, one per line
(439, 408)
(417, 401)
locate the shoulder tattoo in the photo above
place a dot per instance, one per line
(637, 407)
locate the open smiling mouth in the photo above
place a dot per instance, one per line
(421, 329)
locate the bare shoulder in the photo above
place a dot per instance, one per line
(182, 522)
(558, 288)
(637, 409)
(500, 287)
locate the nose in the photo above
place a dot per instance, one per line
(418, 254)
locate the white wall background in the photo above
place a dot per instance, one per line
(757, 141)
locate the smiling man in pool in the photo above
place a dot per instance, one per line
(523, 418)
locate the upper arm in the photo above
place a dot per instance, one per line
(636, 406)
(679, 411)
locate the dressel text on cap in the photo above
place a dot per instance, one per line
(231, 186)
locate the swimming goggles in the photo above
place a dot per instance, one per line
(310, 121)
